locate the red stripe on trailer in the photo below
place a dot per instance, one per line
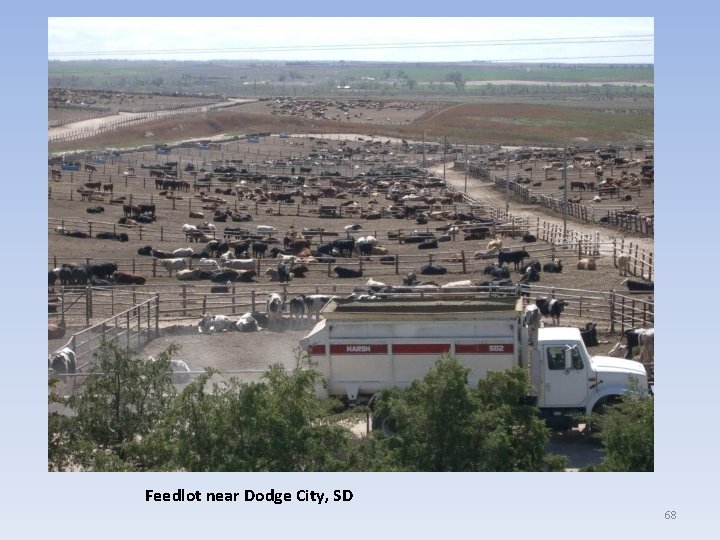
(421, 348)
(318, 349)
(359, 348)
(484, 348)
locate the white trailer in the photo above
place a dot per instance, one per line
(362, 347)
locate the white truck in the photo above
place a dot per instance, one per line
(362, 347)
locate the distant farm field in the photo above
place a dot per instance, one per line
(476, 123)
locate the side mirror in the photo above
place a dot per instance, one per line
(568, 359)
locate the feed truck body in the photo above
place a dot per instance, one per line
(362, 347)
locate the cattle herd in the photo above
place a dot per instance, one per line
(281, 219)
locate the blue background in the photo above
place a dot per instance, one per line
(34, 503)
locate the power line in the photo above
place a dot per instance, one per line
(381, 46)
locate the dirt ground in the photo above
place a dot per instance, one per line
(237, 351)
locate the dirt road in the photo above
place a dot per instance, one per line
(486, 192)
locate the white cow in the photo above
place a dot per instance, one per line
(188, 275)
(274, 310)
(189, 228)
(173, 264)
(623, 262)
(179, 369)
(210, 324)
(63, 361)
(247, 323)
(265, 229)
(240, 264)
(183, 252)
(209, 265)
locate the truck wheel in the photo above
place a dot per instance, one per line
(593, 426)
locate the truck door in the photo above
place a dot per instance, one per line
(565, 377)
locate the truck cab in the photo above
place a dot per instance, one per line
(571, 380)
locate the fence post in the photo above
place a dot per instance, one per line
(184, 301)
(154, 265)
(88, 305)
(635, 261)
(650, 267)
(233, 299)
(397, 264)
(252, 301)
(462, 255)
(127, 328)
(204, 303)
(162, 236)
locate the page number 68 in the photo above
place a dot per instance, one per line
(670, 514)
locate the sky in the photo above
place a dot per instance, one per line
(546, 39)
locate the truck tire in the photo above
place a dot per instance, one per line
(593, 426)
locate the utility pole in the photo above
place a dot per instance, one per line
(423, 148)
(466, 166)
(565, 189)
(507, 184)
(444, 156)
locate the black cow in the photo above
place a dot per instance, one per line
(76, 234)
(347, 272)
(325, 249)
(246, 276)
(65, 275)
(145, 250)
(159, 254)
(52, 278)
(432, 244)
(283, 272)
(79, 276)
(410, 280)
(551, 308)
(532, 264)
(122, 237)
(417, 238)
(259, 249)
(531, 275)
(639, 286)
(497, 272)
(299, 271)
(554, 267)
(145, 218)
(589, 335)
(515, 257)
(364, 248)
(529, 238)
(345, 246)
(103, 270)
(95, 210)
(433, 270)
(219, 289)
(224, 276)
(146, 208)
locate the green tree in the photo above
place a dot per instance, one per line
(442, 424)
(456, 77)
(627, 433)
(276, 424)
(122, 400)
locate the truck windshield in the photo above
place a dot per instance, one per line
(556, 358)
